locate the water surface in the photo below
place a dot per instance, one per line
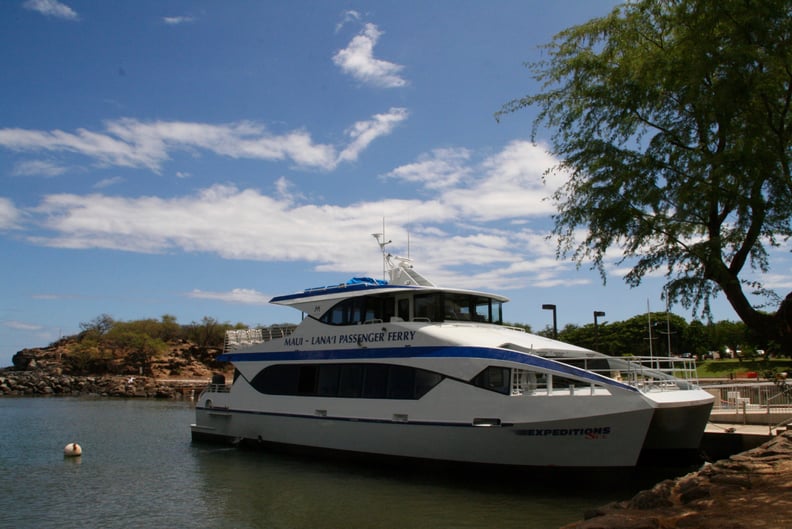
(140, 469)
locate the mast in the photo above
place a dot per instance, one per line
(382, 243)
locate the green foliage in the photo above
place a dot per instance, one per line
(99, 325)
(208, 333)
(105, 344)
(89, 355)
(137, 342)
(671, 121)
(631, 336)
(765, 368)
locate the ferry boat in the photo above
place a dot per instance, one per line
(408, 369)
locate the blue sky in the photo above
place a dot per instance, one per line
(196, 158)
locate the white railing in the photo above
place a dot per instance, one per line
(648, 373)
(237, 338)
(217, 388)
(753, 403)
(757, 396)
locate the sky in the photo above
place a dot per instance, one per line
(196, 158)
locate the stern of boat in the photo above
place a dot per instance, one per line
(679, 419)
(212, 415)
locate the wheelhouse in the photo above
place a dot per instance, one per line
(420, 305)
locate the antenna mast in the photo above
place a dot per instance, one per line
(382, 243)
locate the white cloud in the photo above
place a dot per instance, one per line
(482, 221)
(363, 133)
(512, 185)
(175, 21)
(51, 8)
(9, 214)
(22, 326)
(102, 147)
(107, 182)
(358, 60)
(442, 168)
(349, 16)
(237, 295)
(462, 231)
(133, 143)
(37, 168)
(508, 184)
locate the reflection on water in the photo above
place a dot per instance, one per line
(139, 468)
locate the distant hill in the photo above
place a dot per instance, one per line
(179, 359)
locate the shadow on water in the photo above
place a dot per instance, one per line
(298, 490)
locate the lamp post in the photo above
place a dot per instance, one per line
(549, 306)
(597, 314)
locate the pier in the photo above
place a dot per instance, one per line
(745, 416)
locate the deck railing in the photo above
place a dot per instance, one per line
(242, 337)
(647, 373)
(217, 388)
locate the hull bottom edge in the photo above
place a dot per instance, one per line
(389, 460)
(202, 436)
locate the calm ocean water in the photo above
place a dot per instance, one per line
(140, 469)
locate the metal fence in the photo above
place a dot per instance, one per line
(764, 403)
(765, 396)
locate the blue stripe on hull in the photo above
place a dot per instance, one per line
(486, 353)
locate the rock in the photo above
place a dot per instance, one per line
(749, 490)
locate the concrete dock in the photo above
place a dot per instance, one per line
(723, 439)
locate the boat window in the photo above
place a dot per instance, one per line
(525, 382)
(363, 309)
(428, 306)
(372, 381)
(564, 382)
(328, 380)
(426, 380)
(401, 382)
(350, 382)
(403, 310)
(306, 382)
(375, 382)
(282, 381)
(494, 378)
(467, 307)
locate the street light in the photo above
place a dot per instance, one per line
(597, 314)
(548, 306)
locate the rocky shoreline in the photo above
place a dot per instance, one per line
(749, 490)
(36, 383)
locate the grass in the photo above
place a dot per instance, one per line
(739, 369)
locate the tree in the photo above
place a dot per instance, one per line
(99, 325)
(672, 120)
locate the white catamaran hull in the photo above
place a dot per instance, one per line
(581, 443)
(571, 427)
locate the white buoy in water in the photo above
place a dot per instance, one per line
(72, 450)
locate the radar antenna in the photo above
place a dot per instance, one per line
(398, 270)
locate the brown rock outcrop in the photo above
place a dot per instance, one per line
(746, 491)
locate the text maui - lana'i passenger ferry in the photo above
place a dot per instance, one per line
(408, 369)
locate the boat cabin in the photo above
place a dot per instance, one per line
(414, 305)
